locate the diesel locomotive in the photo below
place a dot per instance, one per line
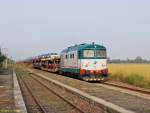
(85, 61)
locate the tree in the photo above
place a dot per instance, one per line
(2, 58)
(138, 59)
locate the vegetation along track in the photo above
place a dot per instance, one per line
(47, 97)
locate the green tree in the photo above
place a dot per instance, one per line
(2, 58)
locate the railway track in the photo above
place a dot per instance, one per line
(74, 103)
(76, 100)
(128, 87)
(68, 102)
(38, 105)
(129, 100)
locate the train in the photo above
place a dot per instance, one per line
(87, 62)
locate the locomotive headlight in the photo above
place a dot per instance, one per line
(98, 72)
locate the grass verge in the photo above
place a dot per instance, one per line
(134, 74)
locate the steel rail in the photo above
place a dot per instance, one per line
(128, 88)
(74, 106)
(104, 105)
(32, 95)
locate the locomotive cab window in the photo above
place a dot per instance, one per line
(100, 53)
(66, 56)
(88, 53)
(71, 56)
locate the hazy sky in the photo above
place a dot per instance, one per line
(32, 27)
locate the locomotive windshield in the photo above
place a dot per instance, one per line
(100, 53)
(94, 53)
(88, 53)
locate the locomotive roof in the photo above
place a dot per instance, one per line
(83, 46)
(49, 54)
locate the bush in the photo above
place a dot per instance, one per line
(2, 58)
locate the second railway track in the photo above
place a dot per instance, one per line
(122, 98)
(128, 87)
(44, 97)
(36, 107)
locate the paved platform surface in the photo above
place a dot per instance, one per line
(6, 92)
(18, 97)
(11, 100)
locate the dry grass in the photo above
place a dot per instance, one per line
(135, 74)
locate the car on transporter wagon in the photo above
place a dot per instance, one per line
(85, 61)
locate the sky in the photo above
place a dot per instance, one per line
(32, 27)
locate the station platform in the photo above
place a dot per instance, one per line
(6, 91)
(11, 100)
